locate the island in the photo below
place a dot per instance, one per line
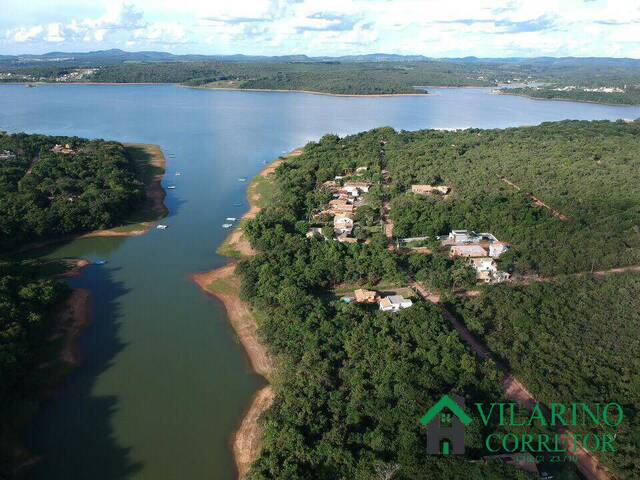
(389, 268)
(53, 189)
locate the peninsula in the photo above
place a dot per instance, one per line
(395, 266)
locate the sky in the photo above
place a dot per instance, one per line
(434, 28)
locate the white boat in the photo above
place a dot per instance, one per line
(161, 227)
(231, 219)
(171, 187)
(178, 174)
(227, 225)
(242, 179)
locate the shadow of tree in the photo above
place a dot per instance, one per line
(73, 434)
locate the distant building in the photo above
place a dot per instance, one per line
(315, 232)
(429, 189)
(394, 303)
(485, 267)
(7, 155)
(366, 296)
(342, 224)
(357, 188)
(487, 270)
(497, 248)
(471, 251)
(460, 236)
(66, 149)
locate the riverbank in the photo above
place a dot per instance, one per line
(151, 163)
(224, 284)
(311, 92)
(556, 99)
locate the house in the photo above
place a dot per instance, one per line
(366, 296)
(487, 270)
(62, 149)
(342, 224)
(485, 267)
(339, 203)
(497, 248)
(429, 189)
(7, 155)
(394, 303)
(471, 251)
(460, 236)
(356, 188)
(315, 232)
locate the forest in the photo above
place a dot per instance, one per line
(351, 379)
(27, 303)
(46, 193)
(630, 95)
(577, 338)
(347, 76)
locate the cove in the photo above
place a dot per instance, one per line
(163, 382)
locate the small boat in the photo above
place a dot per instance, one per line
(178, 174)
(242, 179)
(162, 227)
(100, 262)
(227, 225)
(231, 219)
(171, 187)
(237, 204)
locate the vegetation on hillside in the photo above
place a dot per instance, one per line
(344, 76)
(577, 339)
(27, 303)
(628, 95)
(351, 380)
(45, 194)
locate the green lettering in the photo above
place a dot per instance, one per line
(513, 415)
(607, 443)
(525, 443)
(536, 414)
(485, 418)
(510, 446)
(543, 441)
(487, 443)
(605, 414)
(557, 410)
(595, 418)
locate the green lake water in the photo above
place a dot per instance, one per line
(164, 382)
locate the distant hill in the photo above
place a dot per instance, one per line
(116, 56)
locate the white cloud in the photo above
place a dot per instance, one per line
(24, 34)
(325, 27)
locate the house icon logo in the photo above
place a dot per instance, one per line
(445, 423)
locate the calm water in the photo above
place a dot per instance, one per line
(164, 381)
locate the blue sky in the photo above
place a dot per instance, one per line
(495, 28)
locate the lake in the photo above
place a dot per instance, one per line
(164, 382)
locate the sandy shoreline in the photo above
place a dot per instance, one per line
(224, 284)
(311, 92)
(155, 196)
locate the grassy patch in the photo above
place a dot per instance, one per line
(225, 286)
(262, 190)
(150, 164)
